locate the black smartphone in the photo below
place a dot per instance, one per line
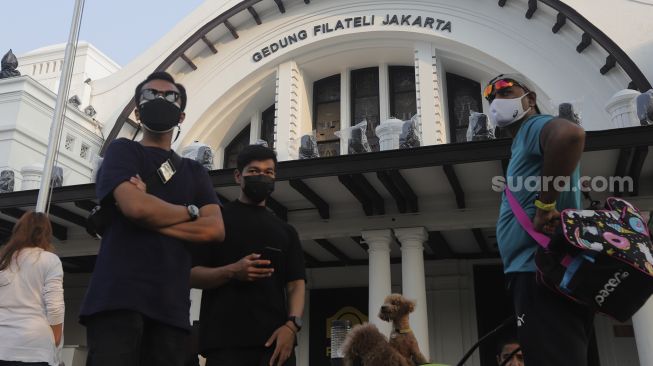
(271, 254)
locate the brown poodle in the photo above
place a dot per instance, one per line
(367, 346)
(371, 347)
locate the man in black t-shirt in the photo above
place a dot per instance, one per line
(251, 305)
(136, 309)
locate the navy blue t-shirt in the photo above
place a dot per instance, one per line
(137, 268)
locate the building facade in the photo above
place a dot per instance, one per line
(327, 76)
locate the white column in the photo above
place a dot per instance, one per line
(430, 95)
(413, 281)
(287, 104)
(218, 159)
(643, 325)
(255, 127)
(345, 109)
(31, 176)
(621, 108)
(380, 284)
(384, 93)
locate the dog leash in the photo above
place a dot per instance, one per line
(469, 353)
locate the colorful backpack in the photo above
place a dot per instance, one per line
(601, 258)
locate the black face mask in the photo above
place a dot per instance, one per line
(159, 115)
(258, 187)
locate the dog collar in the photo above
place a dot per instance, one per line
(403, 331)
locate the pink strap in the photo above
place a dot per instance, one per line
(525, 221)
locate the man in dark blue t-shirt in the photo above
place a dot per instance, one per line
(136, 309)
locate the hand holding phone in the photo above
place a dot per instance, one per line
(271, 254)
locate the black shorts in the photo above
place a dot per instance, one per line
(552, 330)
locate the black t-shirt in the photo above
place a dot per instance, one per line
(137, 268)
(245, 314)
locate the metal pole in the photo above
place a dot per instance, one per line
(60, 107)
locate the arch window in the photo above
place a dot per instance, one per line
(326, 114)
(464, 97)
(403, 96)
(365, 101)
(267, 126)
(235, 147)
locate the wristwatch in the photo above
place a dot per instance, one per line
(193, 212)
(297, 321)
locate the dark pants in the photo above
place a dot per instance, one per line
(552, 330)
(18, 363)
(127, 338)
(245, 357)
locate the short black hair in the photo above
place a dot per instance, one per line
(506, 340)
(255, 153)
(161, 75)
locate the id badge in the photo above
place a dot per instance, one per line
(166, 171)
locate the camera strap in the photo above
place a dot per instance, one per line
(165, 172)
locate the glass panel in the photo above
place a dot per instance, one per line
(326, 114)
(327, 121)
(403, 99)
(365, 101)
(365, 82)
(267, 126)
(464, 97)
(404, 105)
(368, 109)
(402, 78)
(327, 89)
(235, 147)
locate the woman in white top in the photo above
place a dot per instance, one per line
(31, 295)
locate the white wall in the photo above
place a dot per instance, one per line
(26, 109)
(485, 39)
(45, 64)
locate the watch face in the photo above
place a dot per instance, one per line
(193, 211)
(297, 321)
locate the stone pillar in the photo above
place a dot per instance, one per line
(287, 104)
(31, 176)
(643, 325)
(380, 284)
(621, 109)
(413, 281)
(384, 93)
(345, 109)
(430, 95)
(388, 133)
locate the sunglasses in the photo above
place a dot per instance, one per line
(151, 94)
(496, 85)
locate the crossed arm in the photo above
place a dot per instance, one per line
(173, 220)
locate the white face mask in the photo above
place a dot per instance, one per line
(504, 112)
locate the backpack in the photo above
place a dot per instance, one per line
(602, 259)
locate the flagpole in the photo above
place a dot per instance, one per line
(60, 107)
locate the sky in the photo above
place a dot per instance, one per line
(121, 29)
